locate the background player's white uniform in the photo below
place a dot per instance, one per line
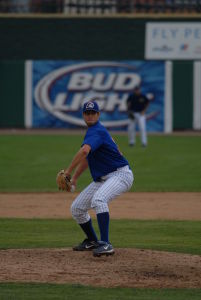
(137, 104)
(141, 121)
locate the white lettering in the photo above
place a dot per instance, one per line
(106, 102)
(114, 100)
(80, 81)
(60, 101)
(76, 102)
(126, 82)
(62, 98)
(101, 83)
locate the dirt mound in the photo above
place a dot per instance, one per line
(165, 206)
(127, 268)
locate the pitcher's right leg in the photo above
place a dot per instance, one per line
(79, 210)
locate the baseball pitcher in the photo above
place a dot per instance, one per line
(111, 177)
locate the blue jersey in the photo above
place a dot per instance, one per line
(104, 156)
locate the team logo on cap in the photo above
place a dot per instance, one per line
(90, 105)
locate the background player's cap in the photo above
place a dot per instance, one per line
(90, 105)
(137, 87)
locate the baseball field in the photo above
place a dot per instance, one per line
(155, 228)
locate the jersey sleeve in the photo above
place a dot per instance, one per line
(94, 139)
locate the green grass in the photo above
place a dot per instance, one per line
(169, 163)
(30, 164)
(9, 291)
(178, 236)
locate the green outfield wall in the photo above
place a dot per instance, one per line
(72, 38)
(121, 38)
(12, 94)
(182, 95)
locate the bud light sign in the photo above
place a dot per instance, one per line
(60, 88)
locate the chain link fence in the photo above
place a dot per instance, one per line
(87, 7)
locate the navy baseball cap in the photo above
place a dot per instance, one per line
(90, 105)
(137, 87)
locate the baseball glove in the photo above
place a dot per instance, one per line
(131, 115)
(63, 181)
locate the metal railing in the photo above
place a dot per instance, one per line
(100, 6)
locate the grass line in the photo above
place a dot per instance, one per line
(177, 236)
(11, 291)
(169, 163)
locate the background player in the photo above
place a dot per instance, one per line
(137, 104)
(111, 177)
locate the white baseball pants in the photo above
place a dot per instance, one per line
(97, 195)
(141, 120)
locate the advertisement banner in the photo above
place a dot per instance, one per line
(173, 40)
(57, 90)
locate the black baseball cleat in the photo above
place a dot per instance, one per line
(103, 249)
(86, 245)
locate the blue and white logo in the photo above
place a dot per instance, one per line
(90, 105)
(62, 87)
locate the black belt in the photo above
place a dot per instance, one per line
(100, 180)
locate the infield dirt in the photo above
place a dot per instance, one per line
(127, 268)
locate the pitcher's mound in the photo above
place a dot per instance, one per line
(127, 268)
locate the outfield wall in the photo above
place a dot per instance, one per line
(12, 94)
(112, 39)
